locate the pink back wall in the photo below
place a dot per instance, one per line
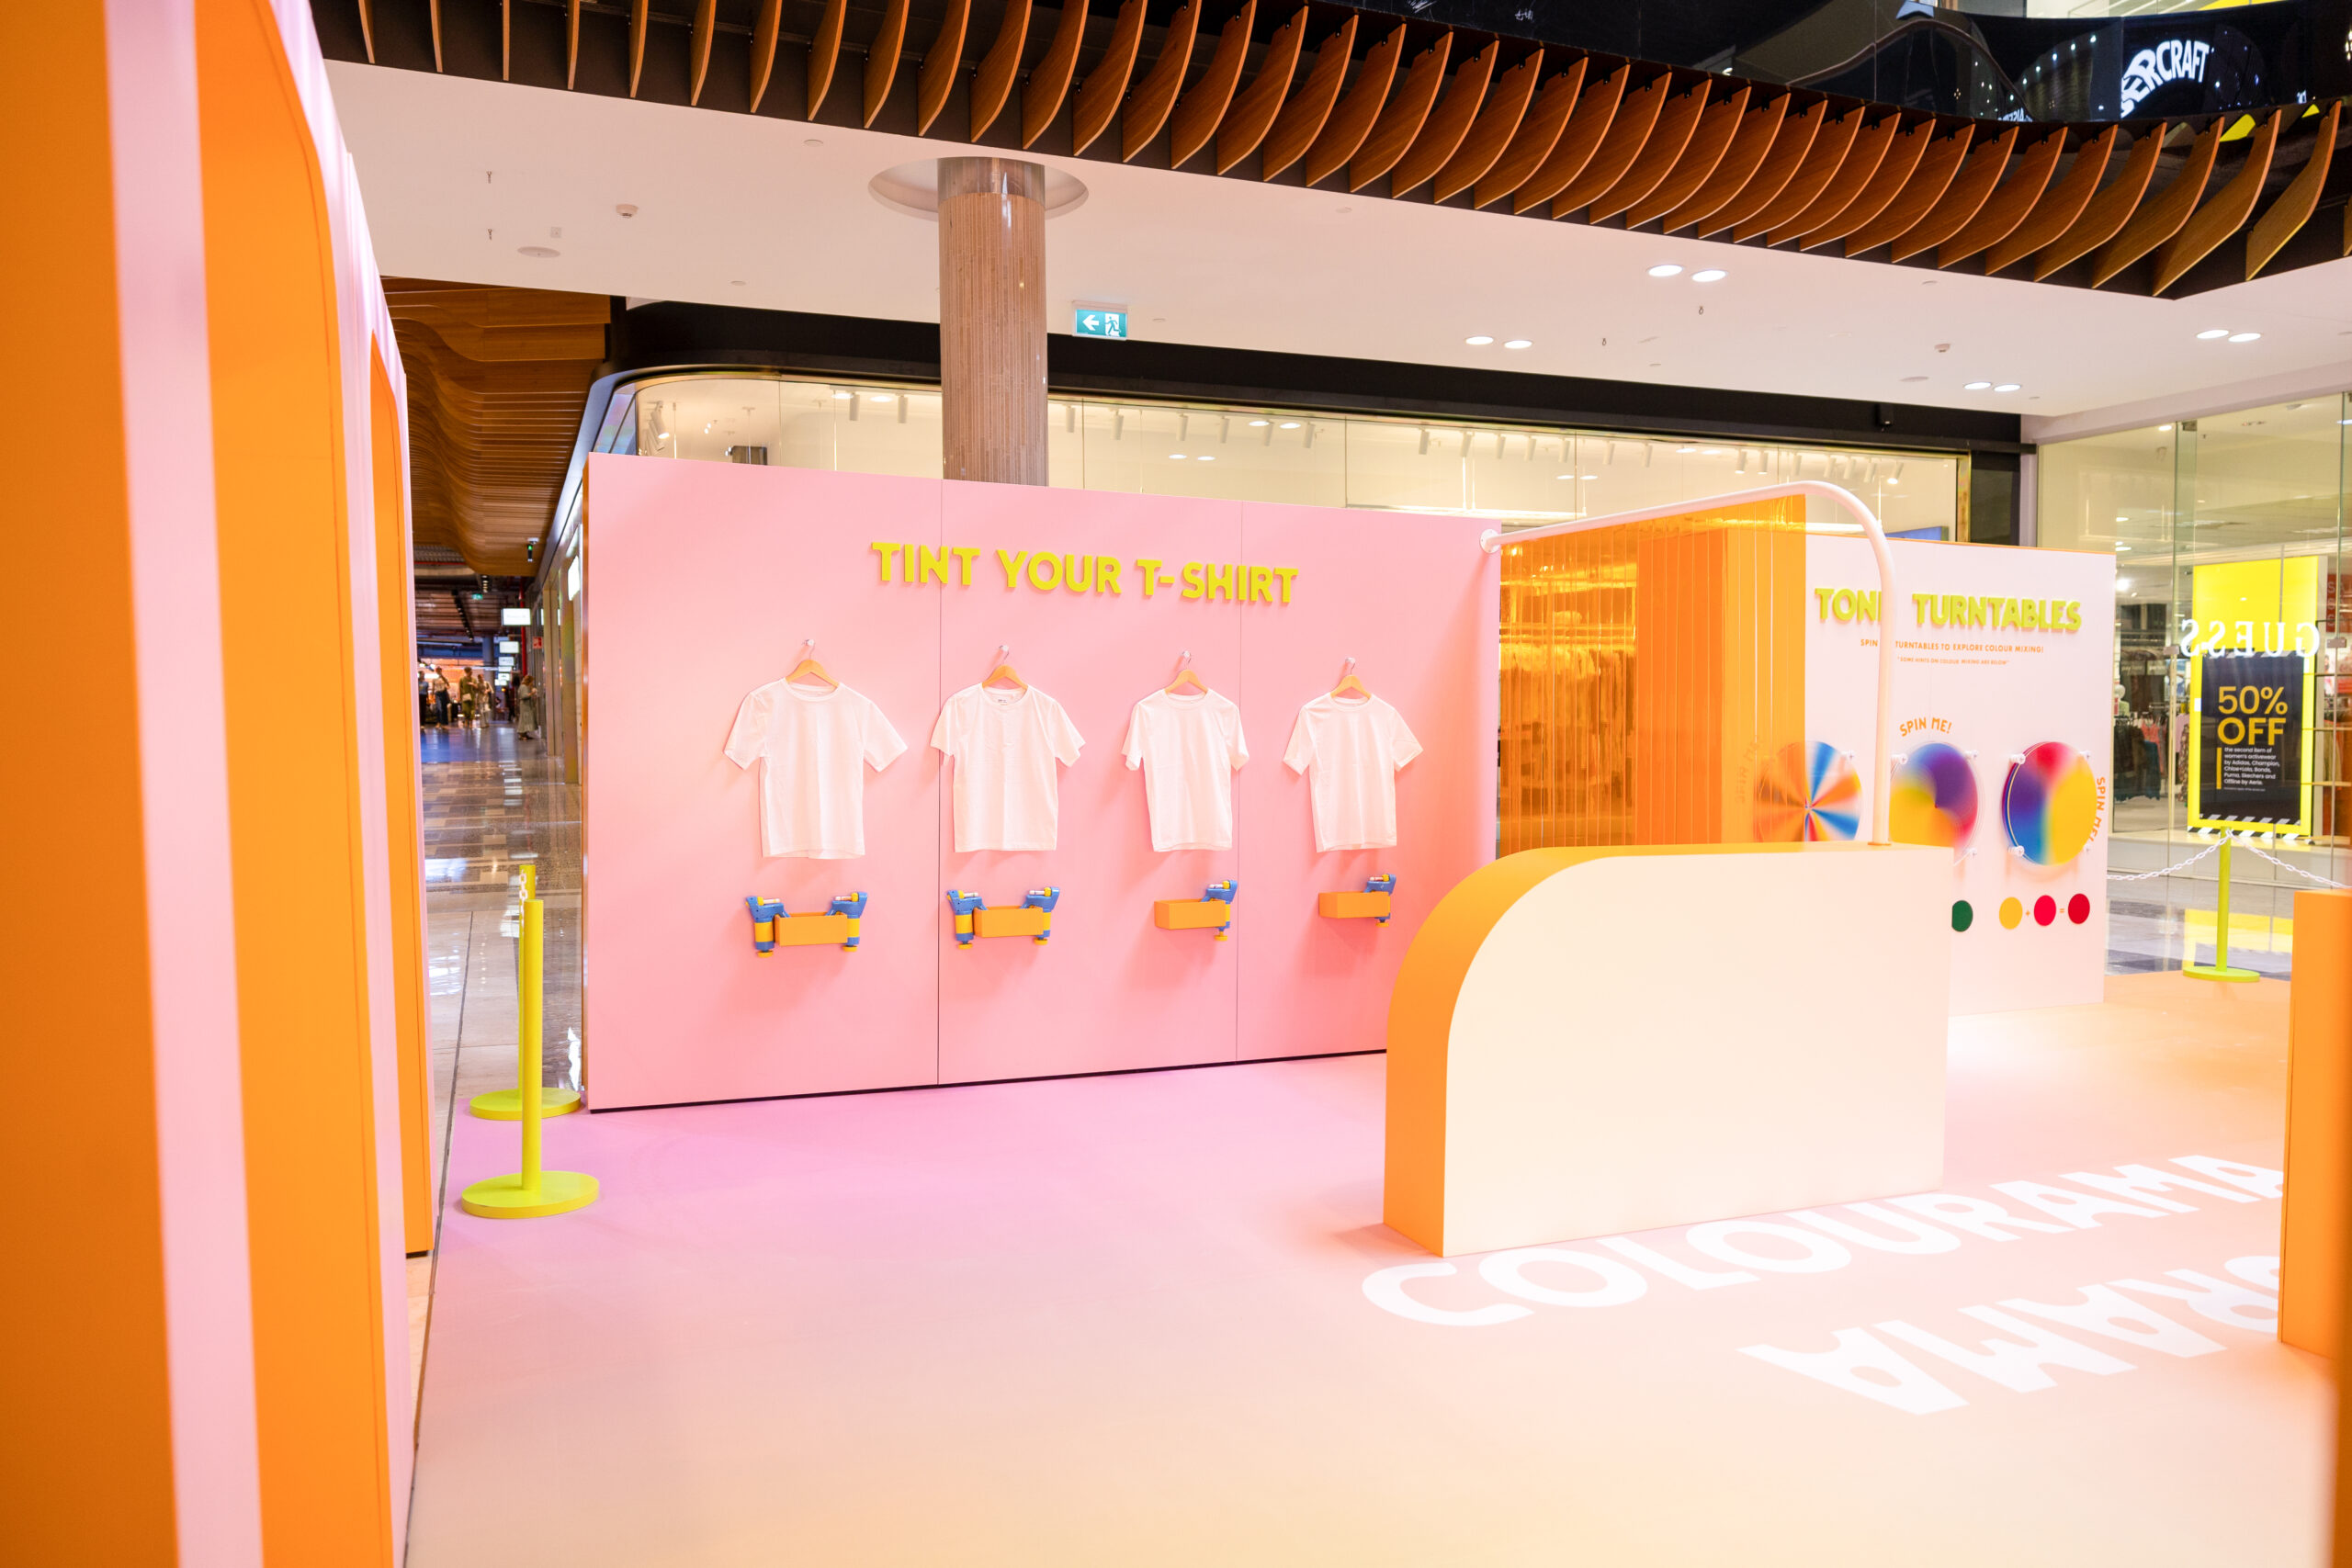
(702, 578)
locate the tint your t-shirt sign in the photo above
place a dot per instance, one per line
(1047, 572)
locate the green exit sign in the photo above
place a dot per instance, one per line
(1102, 320)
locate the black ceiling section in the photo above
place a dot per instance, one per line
(675, 334)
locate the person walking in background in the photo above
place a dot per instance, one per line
(527, 708)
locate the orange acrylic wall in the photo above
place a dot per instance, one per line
(2319, 1125)
(85, 1458)
(294, 805)
(396, 655)
(1649, 671)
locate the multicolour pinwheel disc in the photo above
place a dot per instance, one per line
(1808, 793)
(1934, 800)
(2050, 803)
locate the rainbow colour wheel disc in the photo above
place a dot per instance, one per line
(1934, 799)
(2050, 803)
(1808, 793)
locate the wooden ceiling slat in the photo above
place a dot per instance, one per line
(1309, 110)
(1961, 201)
(1855, 171)
(2162, 215)
(706, 23)
(1596, 111)
(506, 41)
(1493, 131)
(882, 56)
(2108, 211)
(824, 55)
(368, 26)
(1408, 111)
(1938, 167)
(1048, 85)
(1198, 111)
(935, 83)
(1629, 132)
(1677, 122)
(2220, 218)
(1904, 156)
(1756, 131)
(1099, 95)
(1351, 120)
(1709, 146)
(2010, 207)
(1831, 147)
(1254, 107)
(999, 68)
(1538, 132)
(640, 13)
(1792, 154)
(1155, 97)
(432, 12)
(571, 44)
(1442, 133)
(2059, 206)
(2297, 202)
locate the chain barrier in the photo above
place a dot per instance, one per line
(2165, 871)
(2299, 870)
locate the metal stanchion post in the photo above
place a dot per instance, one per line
(531, 1192)
(506, 1104)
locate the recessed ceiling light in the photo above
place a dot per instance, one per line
(1667, 269)
(1209, 458)
(838, 396)
(2122, 546)
(879, 397)
(2244, 337)
(1709, 275)
(1520, 343)
(1289, 425)
(1976, 386)
(2209, 334)
(1564, 476)
(812, 142)
(735, 282)
(2007, 387)
(1176, 457)
(1915, 377)
(1895, 479)
(1481, 341)
(1260, 423)
(1588, 477)
(537, 253)
(2123, 517)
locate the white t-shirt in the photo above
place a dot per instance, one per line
(1188, 747)
(1008, 795)
(1350, 752)
(811, 745)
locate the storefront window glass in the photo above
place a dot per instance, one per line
(2227, 533)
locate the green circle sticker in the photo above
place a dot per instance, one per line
(1962, 917)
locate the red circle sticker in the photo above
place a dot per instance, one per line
(2079, 908)
(2045, 909)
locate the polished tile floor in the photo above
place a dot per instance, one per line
(493, 803)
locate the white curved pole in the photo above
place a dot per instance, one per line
(1883, 739)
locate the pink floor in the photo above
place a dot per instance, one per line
(1124, 1321)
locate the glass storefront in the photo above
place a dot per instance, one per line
(1511, 472)
(2228, 533)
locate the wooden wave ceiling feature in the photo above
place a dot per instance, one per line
(497, 381)
(1323, 93)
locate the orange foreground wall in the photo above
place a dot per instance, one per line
(197, 982)
(2319, 1125)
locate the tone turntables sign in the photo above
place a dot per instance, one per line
(2249, 764)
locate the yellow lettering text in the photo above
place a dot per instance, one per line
(1012, 564)
(1149, 571)
(889, 553)
(1106, 574)
(964, 553)
(1194, 587)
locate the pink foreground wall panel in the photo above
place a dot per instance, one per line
(703, 579)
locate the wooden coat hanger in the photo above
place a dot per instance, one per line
(1348, 682)
(1003, 671)
(809, 669)
(1184, 671)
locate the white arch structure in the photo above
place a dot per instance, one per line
(1881, 745)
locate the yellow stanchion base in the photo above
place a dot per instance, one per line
(2219, 972)
(506, 1104)
(504, 1197)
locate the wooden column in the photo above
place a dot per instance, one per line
(992, 319)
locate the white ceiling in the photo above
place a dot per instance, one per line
(459, 175)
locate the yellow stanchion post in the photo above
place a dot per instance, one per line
(531, 1192)
(2221, 968)
(506, 1104)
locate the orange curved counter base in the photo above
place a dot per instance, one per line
(1586, 1042)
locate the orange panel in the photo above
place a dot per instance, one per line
(2319, 1107)
(86, 1455)
(294, 800)
(1649, 671)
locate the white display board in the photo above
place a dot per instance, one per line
(2003, 678)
